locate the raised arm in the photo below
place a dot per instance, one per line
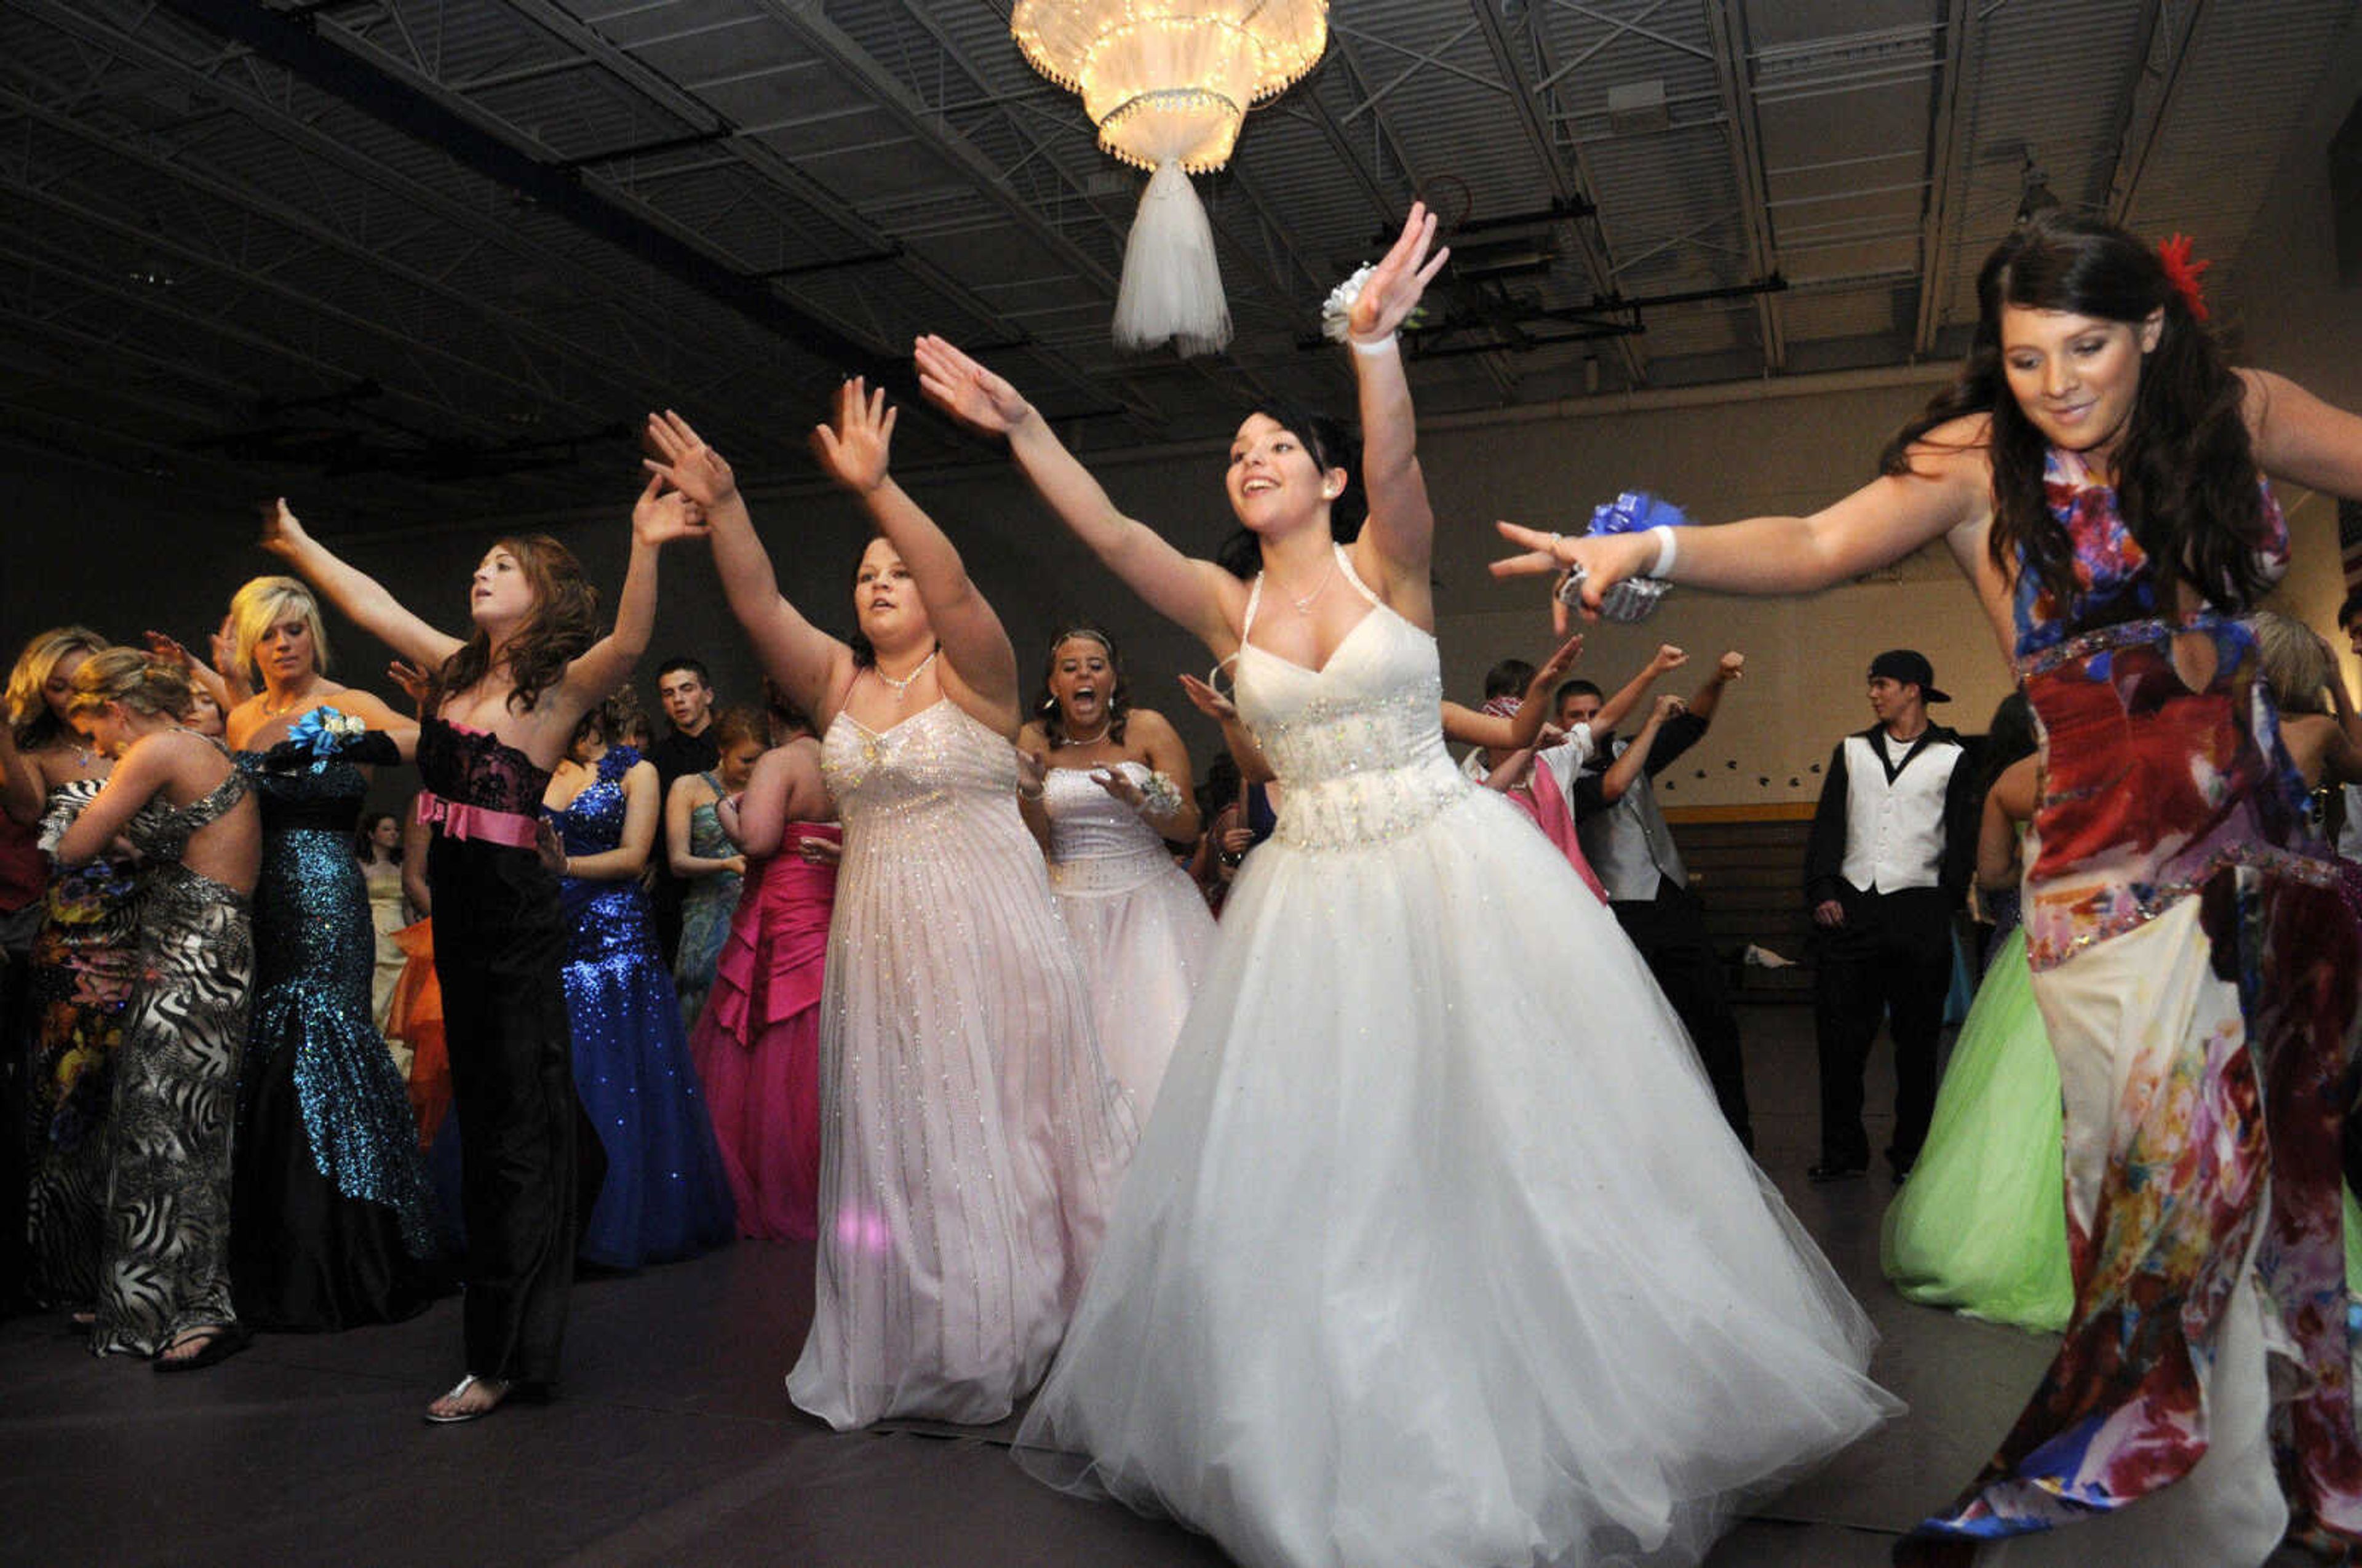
(855, 452)
(362, 599)
(1664, 661)
(1401, 527)
(1470, 726)
(1193, 593)
(1729, 668)
(1244, 749)
(658, 517)
(1949, 488)
(813, 667)
(1632, 767)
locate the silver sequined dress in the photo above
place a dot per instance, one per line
(971, 1143)
(1438, 1249)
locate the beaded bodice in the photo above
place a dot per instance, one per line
(1358, 743)
(917, 767)
(477, 768)
(592, 822)
(1093, 835)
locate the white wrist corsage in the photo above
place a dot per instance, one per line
(1159, 795)
(1337, 311)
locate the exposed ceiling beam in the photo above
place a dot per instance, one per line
(1947, 157)
(2169, 27)
(459, 134)
(1727, 21)
(1566, 186)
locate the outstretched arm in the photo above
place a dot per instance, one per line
(1949, 488)
(360, 596)
(1190, 592)
(1402, 523)
(1709, 696)
(814, 667)
(2299, 439)
(853, 451)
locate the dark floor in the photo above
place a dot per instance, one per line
(673, 1441)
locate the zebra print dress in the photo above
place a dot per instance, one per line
(164, 1269)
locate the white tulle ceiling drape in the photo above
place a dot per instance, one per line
(1168, 83)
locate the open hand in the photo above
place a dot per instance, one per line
(1606, 559)
(679, 456)
(662, 515)
(1207, 701)
(1560, 660)
(166, 649)
(283, 535)
(410, 678)
(1118, 783)
(853, 450)
(1032, 772)
(1389, 293)
(965, 390)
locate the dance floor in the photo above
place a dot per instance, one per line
(673, 1440)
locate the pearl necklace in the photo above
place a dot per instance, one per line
(1104, 726)
(901, 687)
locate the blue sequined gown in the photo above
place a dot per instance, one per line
(665, 1196)
(331, 1224)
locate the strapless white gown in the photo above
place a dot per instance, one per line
(1437, 1252)
(971, 1140)
(1139, 923)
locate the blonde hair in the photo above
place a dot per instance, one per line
(262, 603)
(28, 711)
(2296, 666)
(142, 684)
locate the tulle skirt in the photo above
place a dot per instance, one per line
(1438, 1249)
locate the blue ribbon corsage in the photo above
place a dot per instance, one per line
(1633, 512)
(324, 734)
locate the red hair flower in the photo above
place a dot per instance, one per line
(2182, 273)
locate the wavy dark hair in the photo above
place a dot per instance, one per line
(1332, 444)
(362, 844)
(2010, 736)
(2186, 479)
(561, 628)
(1119, 695)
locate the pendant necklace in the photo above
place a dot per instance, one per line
(1303, 605)
(1105, 726)
(901, 687)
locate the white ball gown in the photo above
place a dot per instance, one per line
(1436, 1250)
(1139, 925)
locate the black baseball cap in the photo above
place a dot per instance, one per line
(1909, 667)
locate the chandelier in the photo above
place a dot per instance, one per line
(1168, 83)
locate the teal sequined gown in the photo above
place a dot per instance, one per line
(706, 905)
(330, 1219)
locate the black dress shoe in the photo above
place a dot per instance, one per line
(1832, 1170)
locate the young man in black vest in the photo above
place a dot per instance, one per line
(1893, 845)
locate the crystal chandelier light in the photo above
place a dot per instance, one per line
(1168, 83)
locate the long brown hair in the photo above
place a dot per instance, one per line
(561, 626)
(2186, 480)
(1119, 693)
